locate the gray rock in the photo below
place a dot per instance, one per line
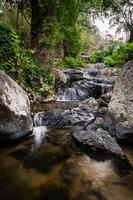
(110, 71)
(83, 89)
(105, 98)
(73, 75)
(58, 118)
(91, 104)
(15, 119)
(99, 139)
(98, 123)
(120, 108)
(93, 81)
(102, 111)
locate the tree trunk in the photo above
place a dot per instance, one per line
(65, 49)
(17, 19)
(131, 36)
(36, 23)
(5, 11)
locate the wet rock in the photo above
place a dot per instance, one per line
(70, 94)
(120, 115)
(92, 71)
(98, 123)
(99, 139)
(59, 75)
(93, 81)
(15, 119)
(105, 98)
(48, 118)
(74, 75)
(83, 89)
(110, 71)
(91, 104)
(98, 66)
(79, 116)
(50, 98)
(104, 80)
(102, 111)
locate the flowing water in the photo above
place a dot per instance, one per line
(49, 166)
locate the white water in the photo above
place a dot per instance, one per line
(39, 134)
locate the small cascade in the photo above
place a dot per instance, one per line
(39, 134)
(68, 95)
(37, 123)
(89, 82)
(87, 73)
(84, 89)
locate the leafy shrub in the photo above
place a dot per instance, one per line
(98, 57)
(122, 54)
(71, 40)
(70, 62)
(9, 49)
(19, 63)
(73, 62)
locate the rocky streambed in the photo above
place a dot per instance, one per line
(92, 89)
(74, 152)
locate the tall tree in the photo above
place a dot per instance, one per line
(36, 21)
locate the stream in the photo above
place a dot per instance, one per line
(48, 165)
(54, 168)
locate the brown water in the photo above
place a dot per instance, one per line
(53, 168)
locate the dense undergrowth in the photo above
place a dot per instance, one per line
(120, 55)
(114, 57)
(69, 62)
(21, 65)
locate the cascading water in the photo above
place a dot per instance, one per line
(85, 83)
(67, 95)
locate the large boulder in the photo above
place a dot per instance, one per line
(98, 139)
(15, 119)
(120, 109)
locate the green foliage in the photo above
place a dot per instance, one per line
(20, 64)
(70, 62)
(120, 55)
(97, 57)
(9, 48)
(72, 41)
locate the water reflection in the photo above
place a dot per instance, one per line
(57, 169)
(54, 105)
